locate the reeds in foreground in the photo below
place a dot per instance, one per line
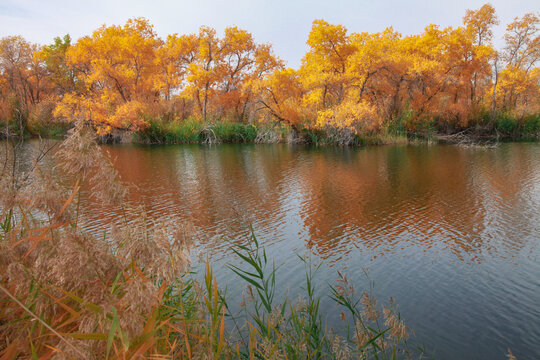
(67, 294)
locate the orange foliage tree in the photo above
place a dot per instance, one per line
(220, 79)
(280, 94)
(23, 78)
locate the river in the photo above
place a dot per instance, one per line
(451, 233)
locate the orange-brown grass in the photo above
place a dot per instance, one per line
(67, 294)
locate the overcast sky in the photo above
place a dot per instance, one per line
(284, 23)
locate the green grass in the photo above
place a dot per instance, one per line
(160, 131)
(294, 329)
(519, 129)
(53, 129)
(195, 131)
(234, 132)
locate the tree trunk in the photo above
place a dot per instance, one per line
(493, 97)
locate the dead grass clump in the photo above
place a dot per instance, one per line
(69, 294)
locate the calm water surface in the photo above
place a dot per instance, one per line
(451, 233)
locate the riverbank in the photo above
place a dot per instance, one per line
(504, 128)
(193, 130)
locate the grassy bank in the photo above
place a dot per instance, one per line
(196, 131)
(502, 128)
(65, 293)
(45, 129)
(192, 130)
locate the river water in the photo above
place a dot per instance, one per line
(451, 233)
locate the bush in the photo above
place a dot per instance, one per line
(234, 132)
(192, 131)
(187, 131)
(531, 125)
(506, 125)
(160, 131)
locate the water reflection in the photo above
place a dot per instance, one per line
(343, 200)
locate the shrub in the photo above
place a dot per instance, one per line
(506, 125)
(531, 125)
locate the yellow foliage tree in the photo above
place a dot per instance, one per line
(518, 87)
(118, 69)
(280, 93)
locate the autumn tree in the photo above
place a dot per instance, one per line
(173, 60)
(202, 79)
(280, 94)
(324, 65)
(118, 68)
(243, 61)
(129, 73)
(520, 78)
(479, 24)
(380, 71)
(24, 78)
(221, 75)
(22, 69)
(444, 64)
(121, 77)
(59, 73)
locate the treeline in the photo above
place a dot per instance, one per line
(127, 78)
